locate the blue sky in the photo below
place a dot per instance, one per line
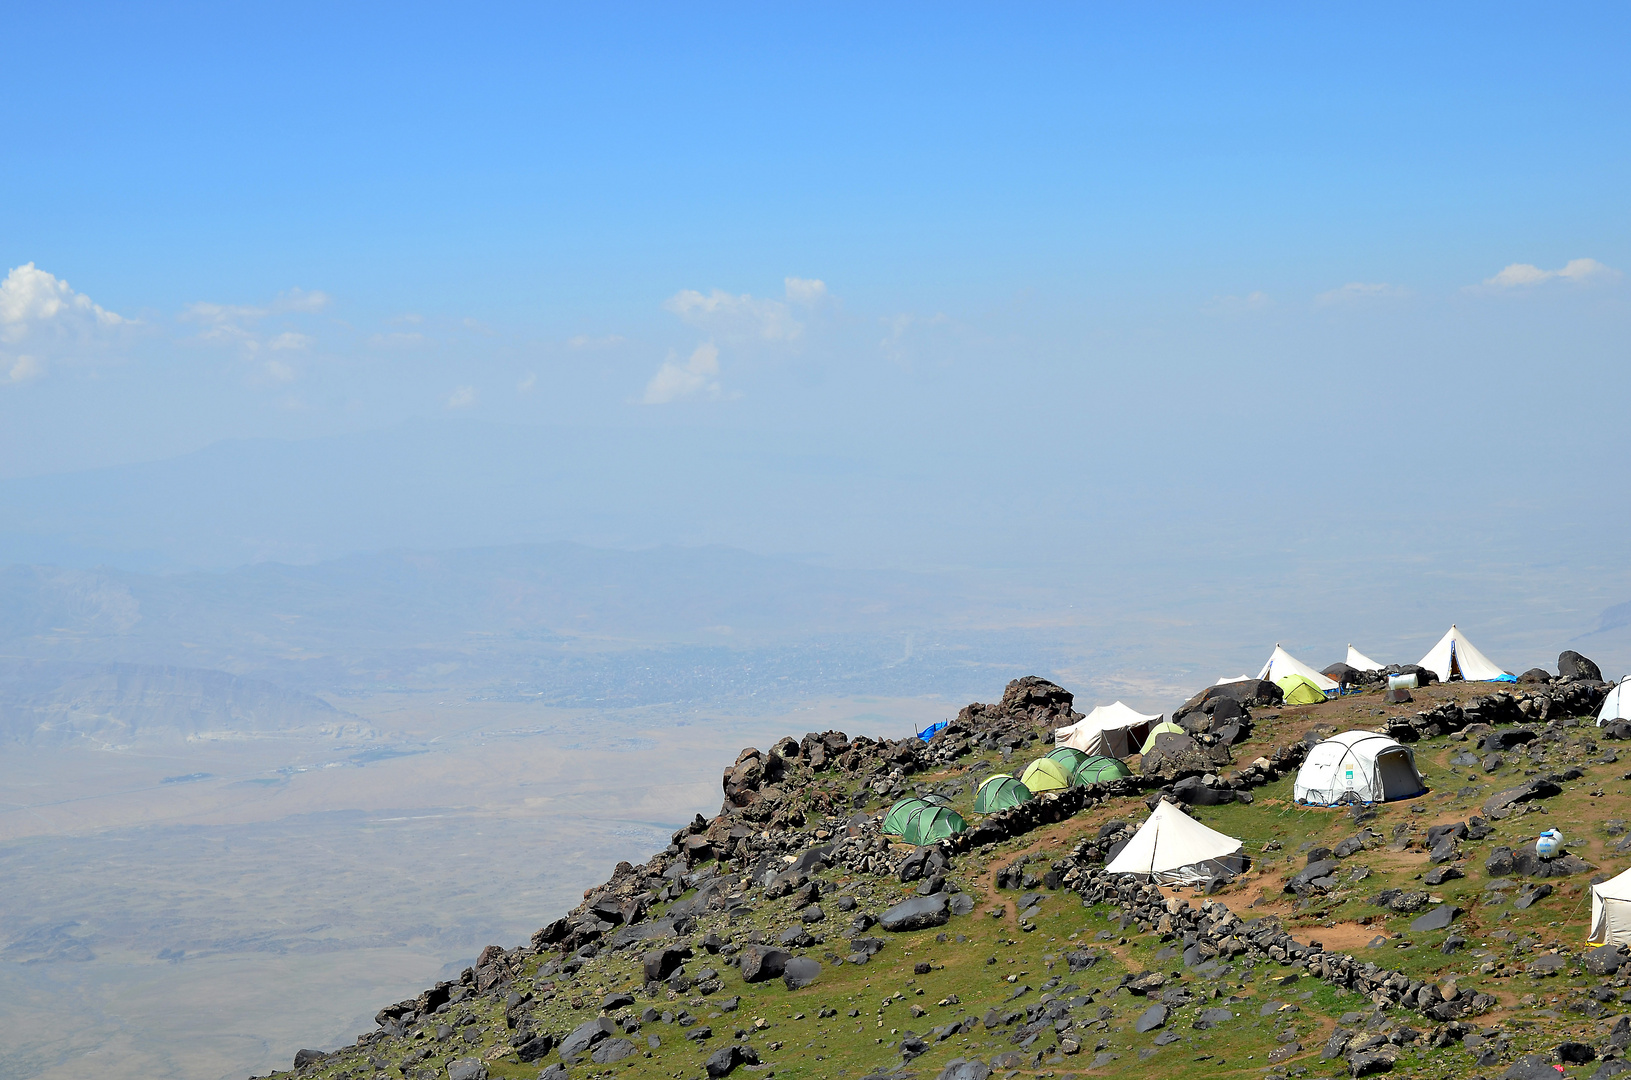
(1132, 256)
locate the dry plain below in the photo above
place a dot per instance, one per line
(200, 909)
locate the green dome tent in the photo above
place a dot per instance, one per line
(1161, 729)
(1300, 690)
(894, 822)
(1101, 770)
(928, 823)
(1044, 774)
(1068, 757)
(999, 792)
(935, 800)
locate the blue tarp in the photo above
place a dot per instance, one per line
(932, 730)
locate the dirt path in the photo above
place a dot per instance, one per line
(1051, 836)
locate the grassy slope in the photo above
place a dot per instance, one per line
(794, 1041)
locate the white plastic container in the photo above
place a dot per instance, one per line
(1549, 844)
(1401, 682)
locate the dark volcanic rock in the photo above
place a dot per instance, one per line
(1455, 831)
(799, 972)
(1575, 1053)
(1604, 960)
(1192, 791)
(1533, 789)
(612, 1050)
(958, 1069)
(1440, 874)
(1153, 1017)
(1532, 1067)
(1174, 754)
(661, 963)
(726, 1058)
(918, 913)
(535, 1047)
(585, 1035)
(1571, 664)
(1438, 919)
(1243, 694)
(761, 962)
(1305, 878)
(1081, 960)
(1371, 1062)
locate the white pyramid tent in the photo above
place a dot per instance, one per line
(1454, 653)
(1283, 663)
(1357, 766)
(1617, 705)
(1111, 730)
(1230, 679)
(1360, 662)
(1611, 911)
(1173, 848)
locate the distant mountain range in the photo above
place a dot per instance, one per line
(60, 702)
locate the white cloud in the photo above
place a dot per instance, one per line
(527, 382)
(1358, 291)
(746, 317)
(289, 340)
(805, 290)
(1579, 271)
(279, 371)
(740, 316)
(673, 381)
(26, 368)
(462, 398)
(207, 314)
(233, 324)
(301, 300)
(32, 298)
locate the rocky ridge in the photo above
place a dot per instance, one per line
(794, 851)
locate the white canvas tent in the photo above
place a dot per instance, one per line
(1109, 730)
(1173, 848)
(1360, 662)
(1357, 766)
(1283, 663)
(1611, 911)
(1617, 705)
(1455, 654)
(1230, 679)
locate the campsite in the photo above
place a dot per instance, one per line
(873, 908)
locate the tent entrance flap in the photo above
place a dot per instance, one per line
(1398, 775)
(1454, 657)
